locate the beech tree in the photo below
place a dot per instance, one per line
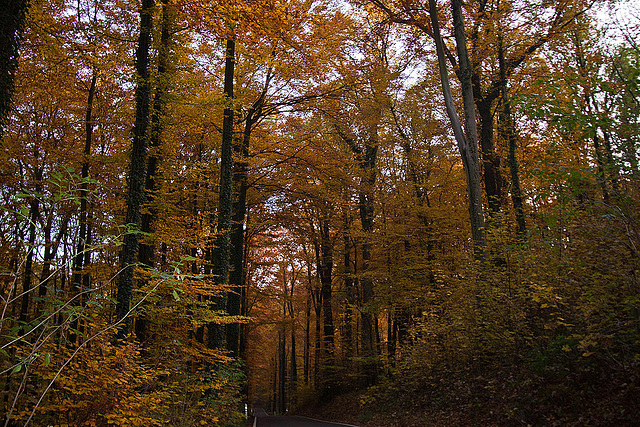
(137, 167)
(467, 139)
(12, 20)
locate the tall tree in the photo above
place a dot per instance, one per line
(137, 168)
(84, 233)
(324, 262)
(12, 19)
(158, 116)
(221, 252)
(508, 128)
(146, 255)
(467, 141)
(237, 234)
(489, 21)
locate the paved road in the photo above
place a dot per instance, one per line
(264, 420)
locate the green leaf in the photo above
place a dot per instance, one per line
(47, 359)
(17, 368)
(175, 295)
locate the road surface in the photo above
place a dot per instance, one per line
(262, 419)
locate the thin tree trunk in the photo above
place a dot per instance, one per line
(293, 378)
(376, 324)
(611, 168)
(628, 134)
(510, 135)
(421, 194)
(349, 291)
(368, 318)
(600, 176)
(591, 105)
(318, 344)
(51, 251)
(357, 336)
(244, 308)
(34, 213)
(282, 369)
(86, 277)
(78, 260)
(307, 332)
(136, 176)
(325, 268)
(80, 278)
(392, 336)
(276, 372)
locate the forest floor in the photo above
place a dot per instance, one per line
(501, 397)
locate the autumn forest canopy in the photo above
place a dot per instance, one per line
(384, 212)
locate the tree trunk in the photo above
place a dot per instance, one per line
(12, 21)
(244, 305)
(325, 268)
(307, 338)
(349, 291)
(221, 251)
(158, 113)
(467, 145)
(282, 370)
(78, 260)
(51, 250)
(34, 213)
(611, 167)
(136, 176)
(47, 260)
(240, 184)
(366, 201)
(317, 305)
(490, 160)
(146, 256)
(293, 378)
(80, 277)
(600, 176)
(274, 389)
(628, 133)
(391, 336)
(509, 132)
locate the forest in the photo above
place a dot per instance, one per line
(380, 212)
